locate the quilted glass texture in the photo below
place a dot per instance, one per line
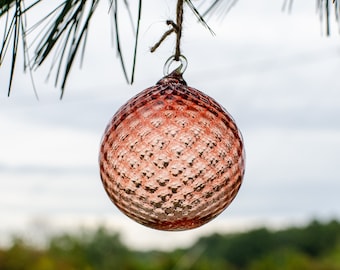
(172, 158)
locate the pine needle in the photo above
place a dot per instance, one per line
(61, 33)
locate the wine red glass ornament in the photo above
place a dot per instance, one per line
(172, 158)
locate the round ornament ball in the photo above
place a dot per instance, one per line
(172, 158)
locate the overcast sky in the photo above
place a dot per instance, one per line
(275, 72)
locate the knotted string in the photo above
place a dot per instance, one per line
(175, 28)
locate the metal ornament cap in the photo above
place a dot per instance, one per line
(172, 158)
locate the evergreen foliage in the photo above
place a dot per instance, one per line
(63, 30)
(313, 247)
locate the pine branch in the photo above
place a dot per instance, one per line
(219, 7)
(136, 41)
(64, 30)
(64, 35)
(198, 15)
(14, 31)
(324, 9)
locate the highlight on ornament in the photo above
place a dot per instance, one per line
(172, 158)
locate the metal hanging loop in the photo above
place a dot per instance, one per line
(172, 59)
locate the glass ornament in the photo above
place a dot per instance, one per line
(172, 158)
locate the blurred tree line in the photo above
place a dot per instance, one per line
(315, 246)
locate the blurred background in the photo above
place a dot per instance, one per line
(275, 71)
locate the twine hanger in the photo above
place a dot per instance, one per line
(175, 28)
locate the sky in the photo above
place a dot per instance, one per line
(275, 72)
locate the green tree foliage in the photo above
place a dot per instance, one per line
(282, 259)
(314, 247)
